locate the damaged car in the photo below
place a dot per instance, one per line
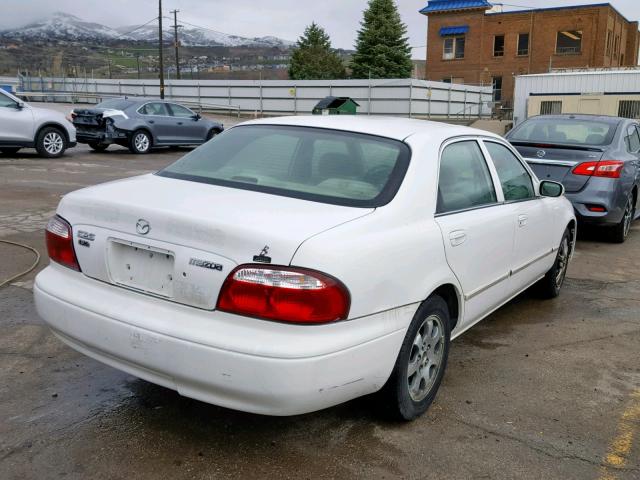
(141, 124)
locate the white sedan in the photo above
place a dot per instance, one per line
(292, 264)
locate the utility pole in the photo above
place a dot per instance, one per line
(109, 65)
(176, 41)
(138, 63)
(160, 49)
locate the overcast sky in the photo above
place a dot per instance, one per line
(254, 18)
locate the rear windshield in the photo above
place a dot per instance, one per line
(115, 104)
(315, 164)
(565, 131)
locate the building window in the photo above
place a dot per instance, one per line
(629, 109)
(446, 80)
(616, 47)
(497, 89)
(569, 42)
(498, 46)
(550, 108)
(453, 48)
(609, 42)
(523, 44)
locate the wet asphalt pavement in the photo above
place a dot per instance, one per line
(539, 390)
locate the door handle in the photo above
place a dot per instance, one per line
(179, 123)
(523, 220)
(457, 238)
(152, 121)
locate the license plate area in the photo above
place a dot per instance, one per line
(141, 267)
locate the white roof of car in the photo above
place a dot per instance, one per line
(390, 127)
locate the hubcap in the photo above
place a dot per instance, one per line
(425, 359)
(563, 262)
(141, 142)
(628, 217)
(53, 143)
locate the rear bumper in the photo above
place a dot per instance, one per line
(604, 192)
(227, 360)
(101, 136)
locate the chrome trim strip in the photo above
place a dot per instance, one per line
(559, 163)
(535, 260)
(480, 290)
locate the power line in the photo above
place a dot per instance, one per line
(139, 27)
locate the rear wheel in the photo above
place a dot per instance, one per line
(620, 232)
(9, 150)
(51, 143)
(140, 142)
(551, 284)
(421, 362)
(98, 147)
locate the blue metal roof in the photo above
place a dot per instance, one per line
(436, 6)
(459, 30)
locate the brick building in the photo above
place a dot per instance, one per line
(469, 42)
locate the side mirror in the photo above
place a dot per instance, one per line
(20, 105)
(197, 117)
(551, 189)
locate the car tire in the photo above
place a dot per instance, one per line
(9, 150)
(212, 133)
(51, 142)
(421, 363)
(140, 142)
(620, 232)
(549, 287)
(98, 147)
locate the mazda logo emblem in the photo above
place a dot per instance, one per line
(143, 227)
(541, 153)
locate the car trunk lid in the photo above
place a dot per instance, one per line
(178, 240)
(557, 161)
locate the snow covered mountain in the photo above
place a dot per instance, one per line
(66, 27)
(193, 36)
(62, 26)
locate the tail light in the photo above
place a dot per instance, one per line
(284, 294)
(603, 168)
(60, 243)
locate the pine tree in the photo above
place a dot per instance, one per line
(382, 48)
(314, 59)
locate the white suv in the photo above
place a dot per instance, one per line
(24, 126)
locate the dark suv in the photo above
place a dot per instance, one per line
(596, 158)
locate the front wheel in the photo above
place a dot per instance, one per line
(620, 232)
(550, 286)
(140, 142)
(421, 363)
(212, 133)
(51, 143)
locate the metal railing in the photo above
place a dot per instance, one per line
(70, 97)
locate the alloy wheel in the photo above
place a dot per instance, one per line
(426, 358)
(563, 262)
(53, 143)
(141, 141)
(628, 217)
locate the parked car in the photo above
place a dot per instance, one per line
(25, 126)
(141, 124)
(292, 264)
(597, 158)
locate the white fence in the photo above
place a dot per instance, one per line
(404, 97)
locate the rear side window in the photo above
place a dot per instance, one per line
(516, 181)
(157, 109)
(632, 140)
(464, 181)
